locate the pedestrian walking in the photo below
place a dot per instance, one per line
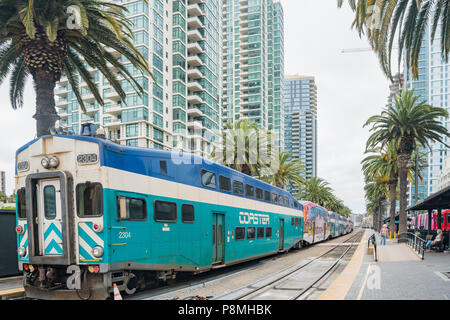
(384, 234)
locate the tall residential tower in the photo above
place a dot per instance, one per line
(181, 39)
(253, 66)
(432, 84)
(300, 108)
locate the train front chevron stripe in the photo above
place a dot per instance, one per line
(53, 238)
(88, 239)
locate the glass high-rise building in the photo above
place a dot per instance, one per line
(181, 39)
(300, 109)
(432, 84)
(253, 66)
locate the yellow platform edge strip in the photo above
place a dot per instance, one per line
(340, 287)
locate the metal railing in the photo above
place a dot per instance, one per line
(415, 242)
(372, 239)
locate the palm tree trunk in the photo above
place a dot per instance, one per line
(46, 115)
(403, 160)
(393, 203)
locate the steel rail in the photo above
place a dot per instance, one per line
(297, 269)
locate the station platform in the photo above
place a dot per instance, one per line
(11, 287)
(398, 274)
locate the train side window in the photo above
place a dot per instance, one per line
(209, 179)
(293, 221)
(240, 233)
(163, 167)
(250, 233)
(267, 196)
(131, 208)
(268, 232)
(165, 211)
(22, 203)
(238, 188)
(274, 198)
(260, 233)
(89, 200)
(187, 213)
(295, 204)
(259, 194)
(249, 191)
(225, 184)
(286, 201)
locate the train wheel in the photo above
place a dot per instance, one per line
(132, 283)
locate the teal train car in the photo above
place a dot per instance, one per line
(91, 213)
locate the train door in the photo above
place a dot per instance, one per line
(281, 240)
(218, 238)
(48, 218)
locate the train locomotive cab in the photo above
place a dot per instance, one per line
(57, 176)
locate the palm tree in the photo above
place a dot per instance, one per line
(407, 123)
(316, 190)
(376, 194)
(45, 39)
(405, 20)
(288, 171)
(385, 165)
(245, 148)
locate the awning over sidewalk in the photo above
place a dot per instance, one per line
(438, 200)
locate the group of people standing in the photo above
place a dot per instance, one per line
(384, 233)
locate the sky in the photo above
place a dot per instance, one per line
(351, 88)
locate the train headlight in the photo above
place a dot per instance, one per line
(22, 251)
(45, 162)
(54, 162)
(97, 227)
(97, 252)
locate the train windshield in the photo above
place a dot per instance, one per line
(89, 200)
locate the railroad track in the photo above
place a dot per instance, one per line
(294, 282)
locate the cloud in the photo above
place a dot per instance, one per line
(351, 88)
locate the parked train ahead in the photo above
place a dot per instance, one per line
(91, 213)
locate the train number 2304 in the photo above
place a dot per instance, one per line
(124, 235)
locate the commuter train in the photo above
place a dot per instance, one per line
(92, 213)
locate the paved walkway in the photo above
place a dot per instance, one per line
(399, 274)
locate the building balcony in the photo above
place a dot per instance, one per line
(114, 124)
(194, 48)
(194, 60)
(194, 10)
(194, 35)
(194, 23)
(193, 98)
(62, 103)
(194, 86)
(194, 112)
(112, 95)
(115, 109)
(194, 73)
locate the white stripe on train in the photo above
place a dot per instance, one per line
(132, 182)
